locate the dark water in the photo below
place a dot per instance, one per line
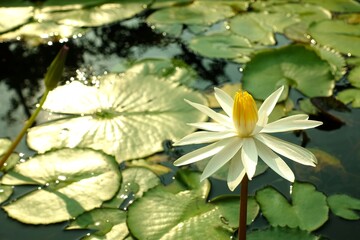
(107, 48)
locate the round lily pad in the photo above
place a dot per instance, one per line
(337, 34)
(71, 181)
(222, 45)
(129, 115)
(308, 209)
(292, 66)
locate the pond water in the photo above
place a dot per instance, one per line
(115, 47)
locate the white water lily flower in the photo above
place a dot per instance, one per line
(241, 137)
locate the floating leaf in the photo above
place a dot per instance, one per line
(198, 12)
(354, 77)
(222, 45)
(5, 192)
(296, 66)
(252, 27)
(337, 5)
(337, 34)
(135, 181)
(13, 158)
(149, 164)
(280, 233)
(260, 27)
(110, 224)
(14, 17)
(74, 180)
(304, 13)
(43, 32)
(129, 115)
(350, 96)
(344, 206)
(185, 215)
(336, 61)
(93, 16)
(308, 209)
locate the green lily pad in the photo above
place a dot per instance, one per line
(296, 66)
(42, 32)
(135, 181)
(147, 163)
(198, 13)
(280, 233)
(185, 214)
(12, 17)
(260, 27)
(93, 16)
(5, 192)
(305, 13)
(174, 70)
(350, 96)
(337, 34)
(223, 45)
(252, 27)
(335, 59)
(354, 77)
(129, 115)
(337, 5)
(169, 3)
(73, 181)
(109, 223)
(308, 209)
(344, 206)
(13, 158)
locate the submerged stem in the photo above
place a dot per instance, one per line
(243, 208)
(27, 125)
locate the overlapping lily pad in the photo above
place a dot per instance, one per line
(14, 17)
(166, 214)
(308, 209)
(94, 16)
(279, 233)
(129, 115)
(109, 223)
(5, 192)
(135, 181)
(223, 45)
(354, 77)
(13, 158)
(350, 96)
(296, 66)
(260, 27)
(344, 206)
(337, 34)
(71, 181)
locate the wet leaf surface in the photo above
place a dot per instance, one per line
(71, 181)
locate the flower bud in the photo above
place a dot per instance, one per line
(55, 70)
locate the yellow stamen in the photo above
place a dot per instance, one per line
(245, 114)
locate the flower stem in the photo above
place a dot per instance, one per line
(27, 125)
(243, 208)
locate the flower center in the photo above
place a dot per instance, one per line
(245, 114)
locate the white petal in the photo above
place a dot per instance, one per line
(218, 117)
(296, 122)
(226, 102)
(289, 150)
(236, 172)
(222, 157)
(274, 162)
(210, 126)
(268, 106)
(204, 137)
(201, 153)
(249, 156)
